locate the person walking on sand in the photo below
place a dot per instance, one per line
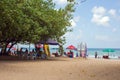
(95, 54)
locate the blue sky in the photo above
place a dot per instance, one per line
(96, 22)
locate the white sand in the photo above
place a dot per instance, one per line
(60, 69)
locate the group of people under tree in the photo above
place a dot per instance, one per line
(34, 54)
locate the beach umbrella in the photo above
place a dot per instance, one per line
(108, 50)
(71, 47)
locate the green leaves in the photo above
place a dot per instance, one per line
(33, 20)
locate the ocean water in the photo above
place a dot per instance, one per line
(91, 52)
(100, 52)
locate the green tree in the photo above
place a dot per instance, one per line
(32, 20)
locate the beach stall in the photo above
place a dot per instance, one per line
(46, 45)
(50, 42)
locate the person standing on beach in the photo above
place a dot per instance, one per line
(95, 54)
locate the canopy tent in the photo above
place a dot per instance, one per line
(46, 45)
(50, 42)
(71, 47)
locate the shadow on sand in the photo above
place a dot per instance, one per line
(15, 58)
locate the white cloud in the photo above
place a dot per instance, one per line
(99, 10)
(100, 20)
(99, 16)
(104, 20)
(112, 12)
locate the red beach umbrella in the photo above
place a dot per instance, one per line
(71, 47)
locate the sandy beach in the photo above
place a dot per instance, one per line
(60, 69)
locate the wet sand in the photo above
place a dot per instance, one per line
(60, 69)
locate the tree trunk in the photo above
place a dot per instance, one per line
(61, 50)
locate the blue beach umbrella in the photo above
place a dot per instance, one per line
(50, 42)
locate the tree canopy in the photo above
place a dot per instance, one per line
(33, 20)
